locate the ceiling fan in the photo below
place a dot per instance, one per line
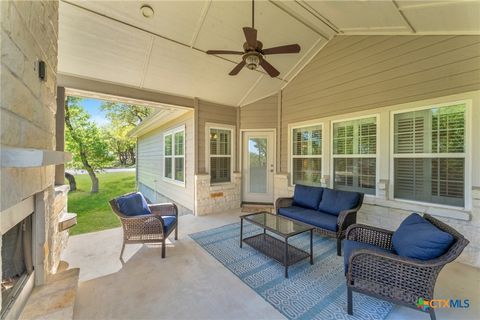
(253, 53)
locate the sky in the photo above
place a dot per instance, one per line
(92, 106)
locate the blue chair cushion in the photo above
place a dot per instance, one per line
(335, 201)
(307, 197)
(349, 246)
(133, 204)
(417, 238)
(316, 218)
(168, 223)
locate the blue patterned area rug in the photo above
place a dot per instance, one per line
(310, 292)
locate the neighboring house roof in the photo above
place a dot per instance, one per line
(111, 41)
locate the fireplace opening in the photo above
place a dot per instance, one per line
(17, 261)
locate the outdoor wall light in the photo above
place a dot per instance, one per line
(147, 11)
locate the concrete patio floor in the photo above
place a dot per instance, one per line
(191, 284)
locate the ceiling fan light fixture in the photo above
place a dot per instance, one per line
(147, 11)
(252, 61)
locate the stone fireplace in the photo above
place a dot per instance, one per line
(17, 261)
(32, 237)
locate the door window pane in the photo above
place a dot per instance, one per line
(257, 153)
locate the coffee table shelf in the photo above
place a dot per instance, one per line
(277, 247)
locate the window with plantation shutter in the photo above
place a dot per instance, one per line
(306, 157)
(355, 155)
(174, 155)
(429, 155)
(220, 155)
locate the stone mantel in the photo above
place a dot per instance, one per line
(30, 158)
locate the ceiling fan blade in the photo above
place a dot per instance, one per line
(251, 37)
(237, 69)
(224, 52)
(269, 68)
(291, 48)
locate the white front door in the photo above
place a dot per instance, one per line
(258, 164)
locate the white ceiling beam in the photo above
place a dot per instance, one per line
(306, 63)
(318, 15)
(201, 21)
(147, 61)
(294, 16)
(421, 5)
(301, 61)
(250, 90)
(404, 18)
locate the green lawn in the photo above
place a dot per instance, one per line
(93, 211)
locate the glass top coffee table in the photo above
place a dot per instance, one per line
(273, 247)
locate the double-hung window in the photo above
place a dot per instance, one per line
(429, 155)
(306, 157)
(355, 155)
(220, 155)
(174, 155)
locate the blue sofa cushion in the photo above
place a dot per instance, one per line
(316, 218)
(133, 204)
(417, 238)
(307, 197)
(335, 201)
(168, 223)
(349, 246)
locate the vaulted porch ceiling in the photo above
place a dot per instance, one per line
(111, 41)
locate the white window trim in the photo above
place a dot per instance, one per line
(305, 124)
(232, 129)
(375, 156)
(465, 155)
(173, 156)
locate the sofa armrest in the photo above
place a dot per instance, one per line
(164, 209)
(345, 219)
(283, 203)
(371, 235)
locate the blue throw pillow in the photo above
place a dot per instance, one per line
(307, 197)
(419, 239)
(133, 204)
(335, 201)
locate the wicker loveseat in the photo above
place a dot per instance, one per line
(152, 225)
(376, 269)
(330, 211)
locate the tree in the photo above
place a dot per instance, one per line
(123, 118)
(85, 140)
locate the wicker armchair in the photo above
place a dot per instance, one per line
(391, 277)
(147, 228)
(345, 219)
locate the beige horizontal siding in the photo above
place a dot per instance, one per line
(215, 113)
(354, 73)
(260, 115)
(150, 162)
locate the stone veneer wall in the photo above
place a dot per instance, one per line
(216, 198)
(28, 107)
(389, 214)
